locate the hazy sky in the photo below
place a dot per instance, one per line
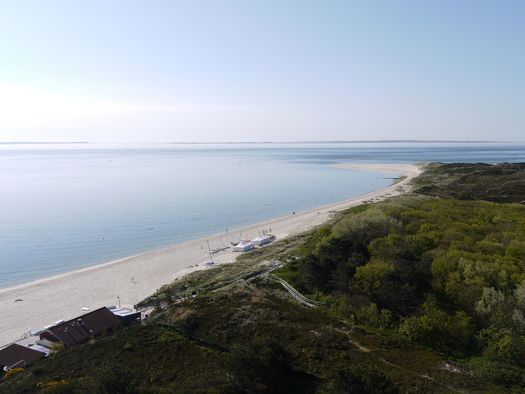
(261, 70)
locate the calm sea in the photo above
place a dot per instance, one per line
(64, 207)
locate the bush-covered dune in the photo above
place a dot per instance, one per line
(503, 182)
(419, 293)
(445, 274)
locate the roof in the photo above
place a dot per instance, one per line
(123, 311)
(18, 356)
(82, 328)
(127, 315)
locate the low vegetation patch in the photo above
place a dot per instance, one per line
(503, 182)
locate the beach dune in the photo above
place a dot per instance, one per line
(129, 280)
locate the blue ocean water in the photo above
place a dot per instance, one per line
(64, 207)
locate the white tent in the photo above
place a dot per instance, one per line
(243, 246)
(259, 241)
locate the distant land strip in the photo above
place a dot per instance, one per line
(260, 142)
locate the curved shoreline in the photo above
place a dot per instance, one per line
(136, 277)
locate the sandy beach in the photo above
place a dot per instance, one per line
(42, 302)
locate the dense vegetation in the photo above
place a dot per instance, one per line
(446, 274)
(418, 294)
(503, 182)
(248, 337)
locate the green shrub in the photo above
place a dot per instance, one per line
(450, 333)
(361, 379)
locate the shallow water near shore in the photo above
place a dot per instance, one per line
(64, 207)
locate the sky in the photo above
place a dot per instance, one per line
(195, 71)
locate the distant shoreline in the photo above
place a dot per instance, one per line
(340, 142)
(43, 143)
(134, 278)
(260, 142)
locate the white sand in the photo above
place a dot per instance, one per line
(134, 278)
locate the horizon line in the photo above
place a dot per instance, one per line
(256, 142)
